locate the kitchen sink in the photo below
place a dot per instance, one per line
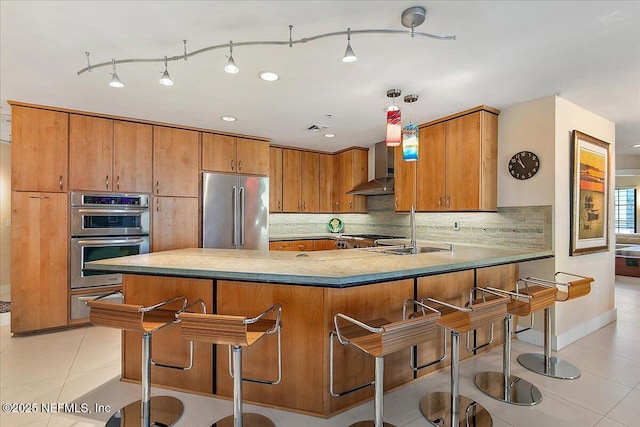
(408, 250)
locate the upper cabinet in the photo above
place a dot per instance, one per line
(325, 196)
(176, 162)
(223, 153)
(457, 166)
(350, 168)
(39, 149)
(109, 155)
(301, 181)
(275, 179)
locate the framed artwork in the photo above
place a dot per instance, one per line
(589, 195)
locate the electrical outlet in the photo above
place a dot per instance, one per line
(456, 225)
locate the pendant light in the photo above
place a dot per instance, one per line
(231, 66)
(166, 78)
(349, 56)
(394, 121)
(115, 81)
(410, 142)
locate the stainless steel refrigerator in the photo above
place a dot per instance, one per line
(235, 211)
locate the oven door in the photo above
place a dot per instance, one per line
(109, 222)
(85, 249)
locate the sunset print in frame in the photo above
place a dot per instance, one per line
(589, 195)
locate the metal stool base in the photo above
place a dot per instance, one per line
(370, 423)
(519, 392)
(165, 411)
(248, 420)
(436, 407)
(558, 368)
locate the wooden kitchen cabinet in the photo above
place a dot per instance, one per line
(225, 153)
(176, 162)
(457, 166)
(39, 149)
(405, 181)
(350, 168)
(325, 196)
(275, 179)
(39, 260)
(174, 223)
(109, 155)
(300, 181)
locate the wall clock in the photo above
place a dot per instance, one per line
(524, 165)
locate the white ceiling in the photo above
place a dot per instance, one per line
(506, 52)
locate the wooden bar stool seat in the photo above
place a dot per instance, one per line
(568, 287)
(157, 410)
(378, 338)
(452, 409)
(502, 385)
(236, 332)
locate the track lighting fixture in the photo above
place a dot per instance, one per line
(115, 81)
(411, 18)
(349, 56)
(231, 66)
(166, 78)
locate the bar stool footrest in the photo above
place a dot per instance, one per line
(165, 411)
(436, 407)
(370, 423)
(517, 391)
(248, 420)
(558, 368)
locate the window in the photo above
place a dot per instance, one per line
(625, 201)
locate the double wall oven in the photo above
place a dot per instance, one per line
(103, 225)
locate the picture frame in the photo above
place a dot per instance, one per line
(590, 181)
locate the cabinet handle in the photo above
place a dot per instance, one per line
(304, 206)
(279, 205)
(157, 205)
(448, 201)
(232, 164)
(301, 247)
(118, 182)
(60, 182)
(39, 197)
(299, 205)
(157, 187)
(239, 165)
(337, 204)
(396, 203)
(106, 182)
(350, 205)
(440, 201)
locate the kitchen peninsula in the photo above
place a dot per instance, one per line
(311, 287)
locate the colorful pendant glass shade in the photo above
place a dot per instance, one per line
(394, 128)
(410, 143)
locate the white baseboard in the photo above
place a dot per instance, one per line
(558, 342)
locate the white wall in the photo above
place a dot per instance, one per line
(5, 215)
(545, 127)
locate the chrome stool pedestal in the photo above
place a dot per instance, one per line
(148, 411)
(546, 364)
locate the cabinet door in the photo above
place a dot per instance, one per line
(39, 149)
(132, 157)
(284, 245)
(275, 179)
(175, 223)
(90, 153)
(310, 181)
(291, 188)
(324, 245)
(431, 169)
(252, 157)
(325, 203)
(353, 166)
(39, 253)
(405, 182)
(463, 163)
(218, 152)
(176, 162)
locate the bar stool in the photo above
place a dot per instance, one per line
(157, 410)
(443, 408)
(236, 332)
(573, 286)
(378, 338)
(502, 385)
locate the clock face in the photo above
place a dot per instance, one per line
(524, 165)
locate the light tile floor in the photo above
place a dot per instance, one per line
(83, 366)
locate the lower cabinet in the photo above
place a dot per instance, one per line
(174, 223)
(302, 245)
(39, 261)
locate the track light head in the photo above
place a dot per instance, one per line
(349, 55)
(231, 66)
(115, 81)
(166, 78)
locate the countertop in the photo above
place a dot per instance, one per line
(331, 268)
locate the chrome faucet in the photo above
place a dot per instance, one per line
(412, 223)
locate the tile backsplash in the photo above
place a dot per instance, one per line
(521, 226)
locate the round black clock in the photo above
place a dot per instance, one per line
(524, 165)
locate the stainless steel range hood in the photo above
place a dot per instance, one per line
(383, 183)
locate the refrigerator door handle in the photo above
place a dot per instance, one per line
(235, 215)
(242, 196)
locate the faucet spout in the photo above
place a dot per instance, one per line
(412, 222)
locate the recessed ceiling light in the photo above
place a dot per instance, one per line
(228, 118)
(268, 76)
(330, 135)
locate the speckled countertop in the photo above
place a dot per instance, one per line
(333, 268)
